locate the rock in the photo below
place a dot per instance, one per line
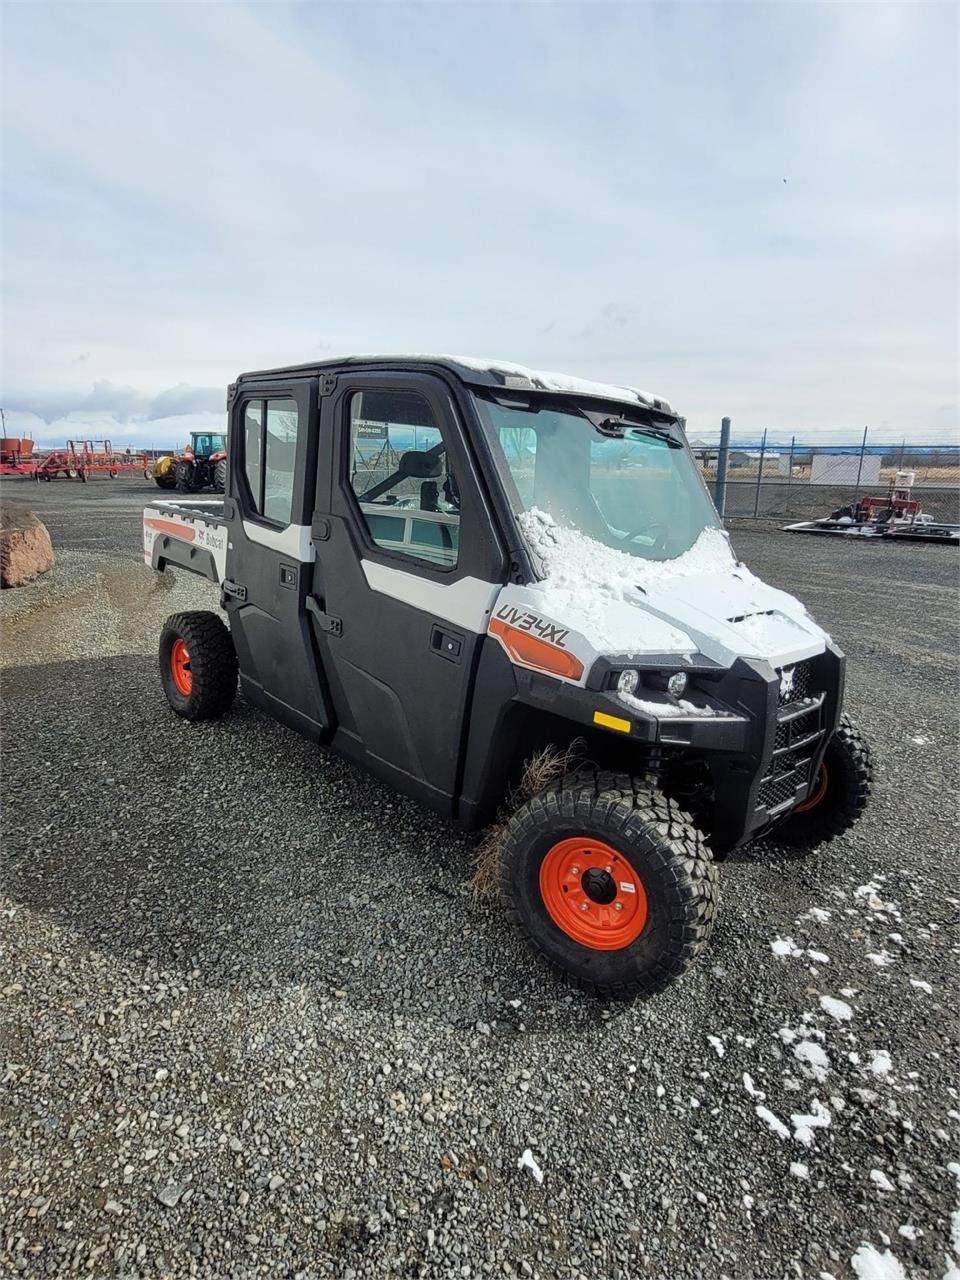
(171, 1193)
(25, 546)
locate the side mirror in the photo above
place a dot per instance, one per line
(415, 465)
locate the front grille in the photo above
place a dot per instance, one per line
(780, 788)
(797, 681)
(796, 739)
(801, 726)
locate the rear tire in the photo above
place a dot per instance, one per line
(840, 793)
(198, 665)
(220, 476)
(184, 477)
(639, 847)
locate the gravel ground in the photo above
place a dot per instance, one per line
(253, 1023)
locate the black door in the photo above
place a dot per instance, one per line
(407, 569)
(273, 448)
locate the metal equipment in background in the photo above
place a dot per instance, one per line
(898, 516)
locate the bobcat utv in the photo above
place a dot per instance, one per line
(441, 567)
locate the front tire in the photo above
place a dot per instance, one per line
(198, 665)
(613, 887)
(841, 792)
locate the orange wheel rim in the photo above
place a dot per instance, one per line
(180, 668)
(819, 791)
(593, 894)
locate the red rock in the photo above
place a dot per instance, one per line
(25, 546)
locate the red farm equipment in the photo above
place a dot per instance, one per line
(16, 456)
(83, 458)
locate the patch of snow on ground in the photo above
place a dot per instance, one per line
(773, 1122)
(820, 914)
(880, 958)
(921, 985)
(870, 893)
(871, 1265)
(717, 1044)
(527, 1162)
(584, 578)
(804, 1125)
(799, 1170)
(751, 1088)
(814, 1056)
(839, 1010)
(955, 1231)
(880, 1062)
(785, 947)
(920, 740)
(909, 1231)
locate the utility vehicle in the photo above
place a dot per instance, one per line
(445, 568)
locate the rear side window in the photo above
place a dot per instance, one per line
(401, 476)
(270, 430)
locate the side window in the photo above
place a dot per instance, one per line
(270, 430)
(401, 476)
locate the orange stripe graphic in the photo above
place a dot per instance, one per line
(182, 531)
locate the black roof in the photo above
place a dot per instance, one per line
(499, 374)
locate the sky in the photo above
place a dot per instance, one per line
(751, 209)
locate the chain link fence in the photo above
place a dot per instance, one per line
(801, 480)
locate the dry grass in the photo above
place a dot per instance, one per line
(541, 771)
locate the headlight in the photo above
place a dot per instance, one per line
(628, 681)
(677, 684)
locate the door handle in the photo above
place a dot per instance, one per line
(325, 621)
(446, 644)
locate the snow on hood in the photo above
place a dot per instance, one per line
(701, 601)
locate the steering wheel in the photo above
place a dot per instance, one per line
(658, 532)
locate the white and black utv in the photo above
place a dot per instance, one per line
(440, 567)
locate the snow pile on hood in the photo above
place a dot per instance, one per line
(765, 630)
(587, 584)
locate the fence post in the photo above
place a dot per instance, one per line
(720, 483)
(793, 441)
(863, 449)
(756, 499)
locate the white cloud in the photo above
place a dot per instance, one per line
(192, 190)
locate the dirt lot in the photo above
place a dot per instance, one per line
(253, 1023)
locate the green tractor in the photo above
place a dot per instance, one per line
(201, 465)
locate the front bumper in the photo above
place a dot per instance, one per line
(762, 747)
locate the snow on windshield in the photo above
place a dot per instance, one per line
(594, 587)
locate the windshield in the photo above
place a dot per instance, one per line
(207, 444)
(637, 491)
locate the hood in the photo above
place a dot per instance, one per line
(606, 602)
(735, 615)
